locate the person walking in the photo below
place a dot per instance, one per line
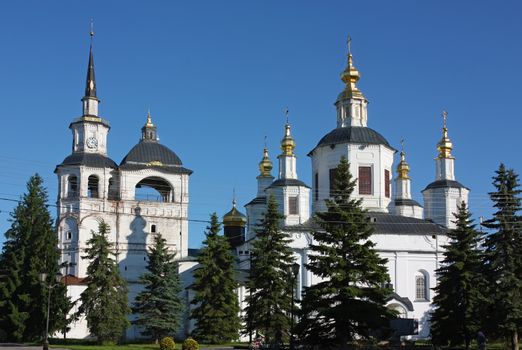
(481, 340)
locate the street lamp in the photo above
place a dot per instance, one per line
(293, 271)
(43, 278)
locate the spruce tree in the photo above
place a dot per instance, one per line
(504, 256)
(459, 298)
(104, 301)
(350, 300)
(31, 248)
(217, 309)
(159, 305)
(269, 300)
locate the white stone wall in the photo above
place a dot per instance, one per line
(441, 203)
(378, 157)
(83, 131)
(282, 195)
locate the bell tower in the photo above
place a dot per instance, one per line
(90, 131)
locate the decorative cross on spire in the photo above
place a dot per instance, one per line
(91, 33)
(444, 117)
(234, 197)
(286, 114)
(349, 44)
(402, 145)
(265, 141)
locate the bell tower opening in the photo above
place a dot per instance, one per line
(154, 189)
(93, 190)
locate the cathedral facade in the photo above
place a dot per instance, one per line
(411, 237)
(92, 187)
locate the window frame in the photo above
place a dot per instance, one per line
(293, 203)
(368, 185)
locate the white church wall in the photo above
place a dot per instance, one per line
(378, 157)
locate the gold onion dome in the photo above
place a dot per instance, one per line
(149, 123)
(403, 169)
(445, 146)
(265, 165)
(234, 217)
(350, 76)
(287, 143)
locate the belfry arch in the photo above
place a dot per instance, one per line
(154, 189)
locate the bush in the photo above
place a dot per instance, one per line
(167, 343)
(190, 344)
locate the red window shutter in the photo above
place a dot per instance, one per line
(365, 180)
(387, 183)
(292, 206)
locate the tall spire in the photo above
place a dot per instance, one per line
(445, 146)
(90, 100)
(403, 169)
(90, 88)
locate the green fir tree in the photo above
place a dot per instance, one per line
(269, 300)
(459, 293)
(104, 301)
(217, 309)
(504, 257)
(350, 300)
(31, 248)
(159, 305)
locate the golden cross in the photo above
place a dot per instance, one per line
(444, 117)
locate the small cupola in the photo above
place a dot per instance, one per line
(265, 165)
(403, 169)
(148, 131)
(234, 223)
(287, 143)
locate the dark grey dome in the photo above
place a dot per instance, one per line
(94, 160)
(445, 184)
(353, 134)
(147, 154)
(287, 182)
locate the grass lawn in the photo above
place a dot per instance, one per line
(109, 347)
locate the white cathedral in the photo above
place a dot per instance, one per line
(92, 187)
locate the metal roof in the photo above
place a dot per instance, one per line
(352, 134)
(257, 200)
(147, 151)
(406, 202)
(288, 182)
(444, 184)
(94, 160)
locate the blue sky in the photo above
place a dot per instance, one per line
(217, 76)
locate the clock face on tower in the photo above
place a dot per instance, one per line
(92, 143)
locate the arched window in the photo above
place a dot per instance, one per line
(92, 187)
(421, 286)
(154, 189)
(72, 186)
(112, 190)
